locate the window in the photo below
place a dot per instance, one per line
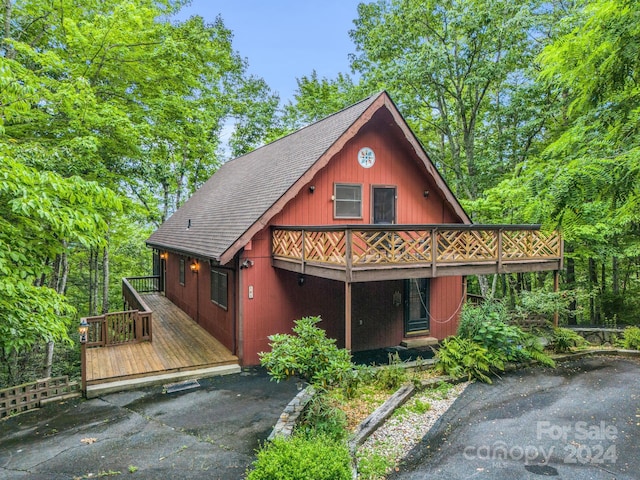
(219, 288)
(347, 200)
(181, 272)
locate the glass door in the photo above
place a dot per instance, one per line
(416, 308)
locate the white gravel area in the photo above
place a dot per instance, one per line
(406, 427)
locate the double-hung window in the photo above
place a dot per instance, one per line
(347, 200)
(219, 288)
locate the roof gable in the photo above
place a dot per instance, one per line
(245, 193)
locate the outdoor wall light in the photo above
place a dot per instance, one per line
(301, 280)
(164, 255)
(426, 193)
(83, 330)
(194, 266)
(247, 263)
(312, 188)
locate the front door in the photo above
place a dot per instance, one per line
(416, 308)
(384, 205)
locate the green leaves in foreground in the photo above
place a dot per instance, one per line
(302, 458)
(308, 354)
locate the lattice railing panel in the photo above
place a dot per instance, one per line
(326, 247)
(467, 245)
(404, 246)
(530, 244)
(287, 243)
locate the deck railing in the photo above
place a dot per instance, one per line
(132, 325)
(397, 245)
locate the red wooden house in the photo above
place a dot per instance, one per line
(346, 218)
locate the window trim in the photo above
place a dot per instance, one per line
(215, 274)
(181, 275)
(336, 200)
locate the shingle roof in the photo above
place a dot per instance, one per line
(244, 189)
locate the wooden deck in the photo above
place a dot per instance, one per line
(362, 253)
(179, 345)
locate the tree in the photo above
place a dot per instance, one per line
(43, 217)
(459, 70)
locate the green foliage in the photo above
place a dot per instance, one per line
(354, 378)
(564, 339)
(460, 357)
(308, 354)
(302, 458)
(373, 466)
(393, 375)
(323, 418)
(631, 338)
(486, 325)
(42, 216)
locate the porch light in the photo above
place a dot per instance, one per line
(164, 255)
(194, 266)
(426, 193)
(83, 330)
(301, 280)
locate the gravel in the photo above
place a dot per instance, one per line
(409, 424)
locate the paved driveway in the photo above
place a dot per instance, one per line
(206, 433)
(578, 421)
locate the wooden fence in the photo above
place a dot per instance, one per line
(32, 395)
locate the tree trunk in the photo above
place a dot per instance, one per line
(105, 278)
(571, 284)
(8, 6)
(484, 286)
(616, 276)
(593, 285)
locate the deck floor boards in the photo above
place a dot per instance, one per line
(178, 344)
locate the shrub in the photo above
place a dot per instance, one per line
(322, 418)
(302, 458)
(462, 357)
(631, 338)
(393, 375)
(487, 326)
(564, 339)
(309, 354)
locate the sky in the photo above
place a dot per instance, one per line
(286, 39)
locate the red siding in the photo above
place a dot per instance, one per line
(446, 302)
(376, 323)
(195, 298)
(278, 299)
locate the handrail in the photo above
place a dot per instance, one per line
(369, 246)
(132, 325)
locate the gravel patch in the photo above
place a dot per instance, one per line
(409, 424)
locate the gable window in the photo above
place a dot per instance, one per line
(181, 279)
(219, 288)
(347, 200)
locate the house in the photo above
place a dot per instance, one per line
(346, 218)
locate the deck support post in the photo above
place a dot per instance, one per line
(556, 286)
(347, 315)
(83, 368)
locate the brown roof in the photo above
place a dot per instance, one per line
(240, 198)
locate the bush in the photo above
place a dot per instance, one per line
(302, 458)
(393, 375)
(631, 338)
(461, 357)
(322, 418)
(309, 354)
(564, 339)
(487, 325)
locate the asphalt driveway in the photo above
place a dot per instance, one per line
(206, 433)
(578, 421)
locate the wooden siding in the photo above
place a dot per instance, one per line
(178, 344)
(394, 166)
(278, 299)
(194, 297)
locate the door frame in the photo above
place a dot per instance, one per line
(408, 285)
(395, 202)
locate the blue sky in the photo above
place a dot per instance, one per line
(286, 39)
